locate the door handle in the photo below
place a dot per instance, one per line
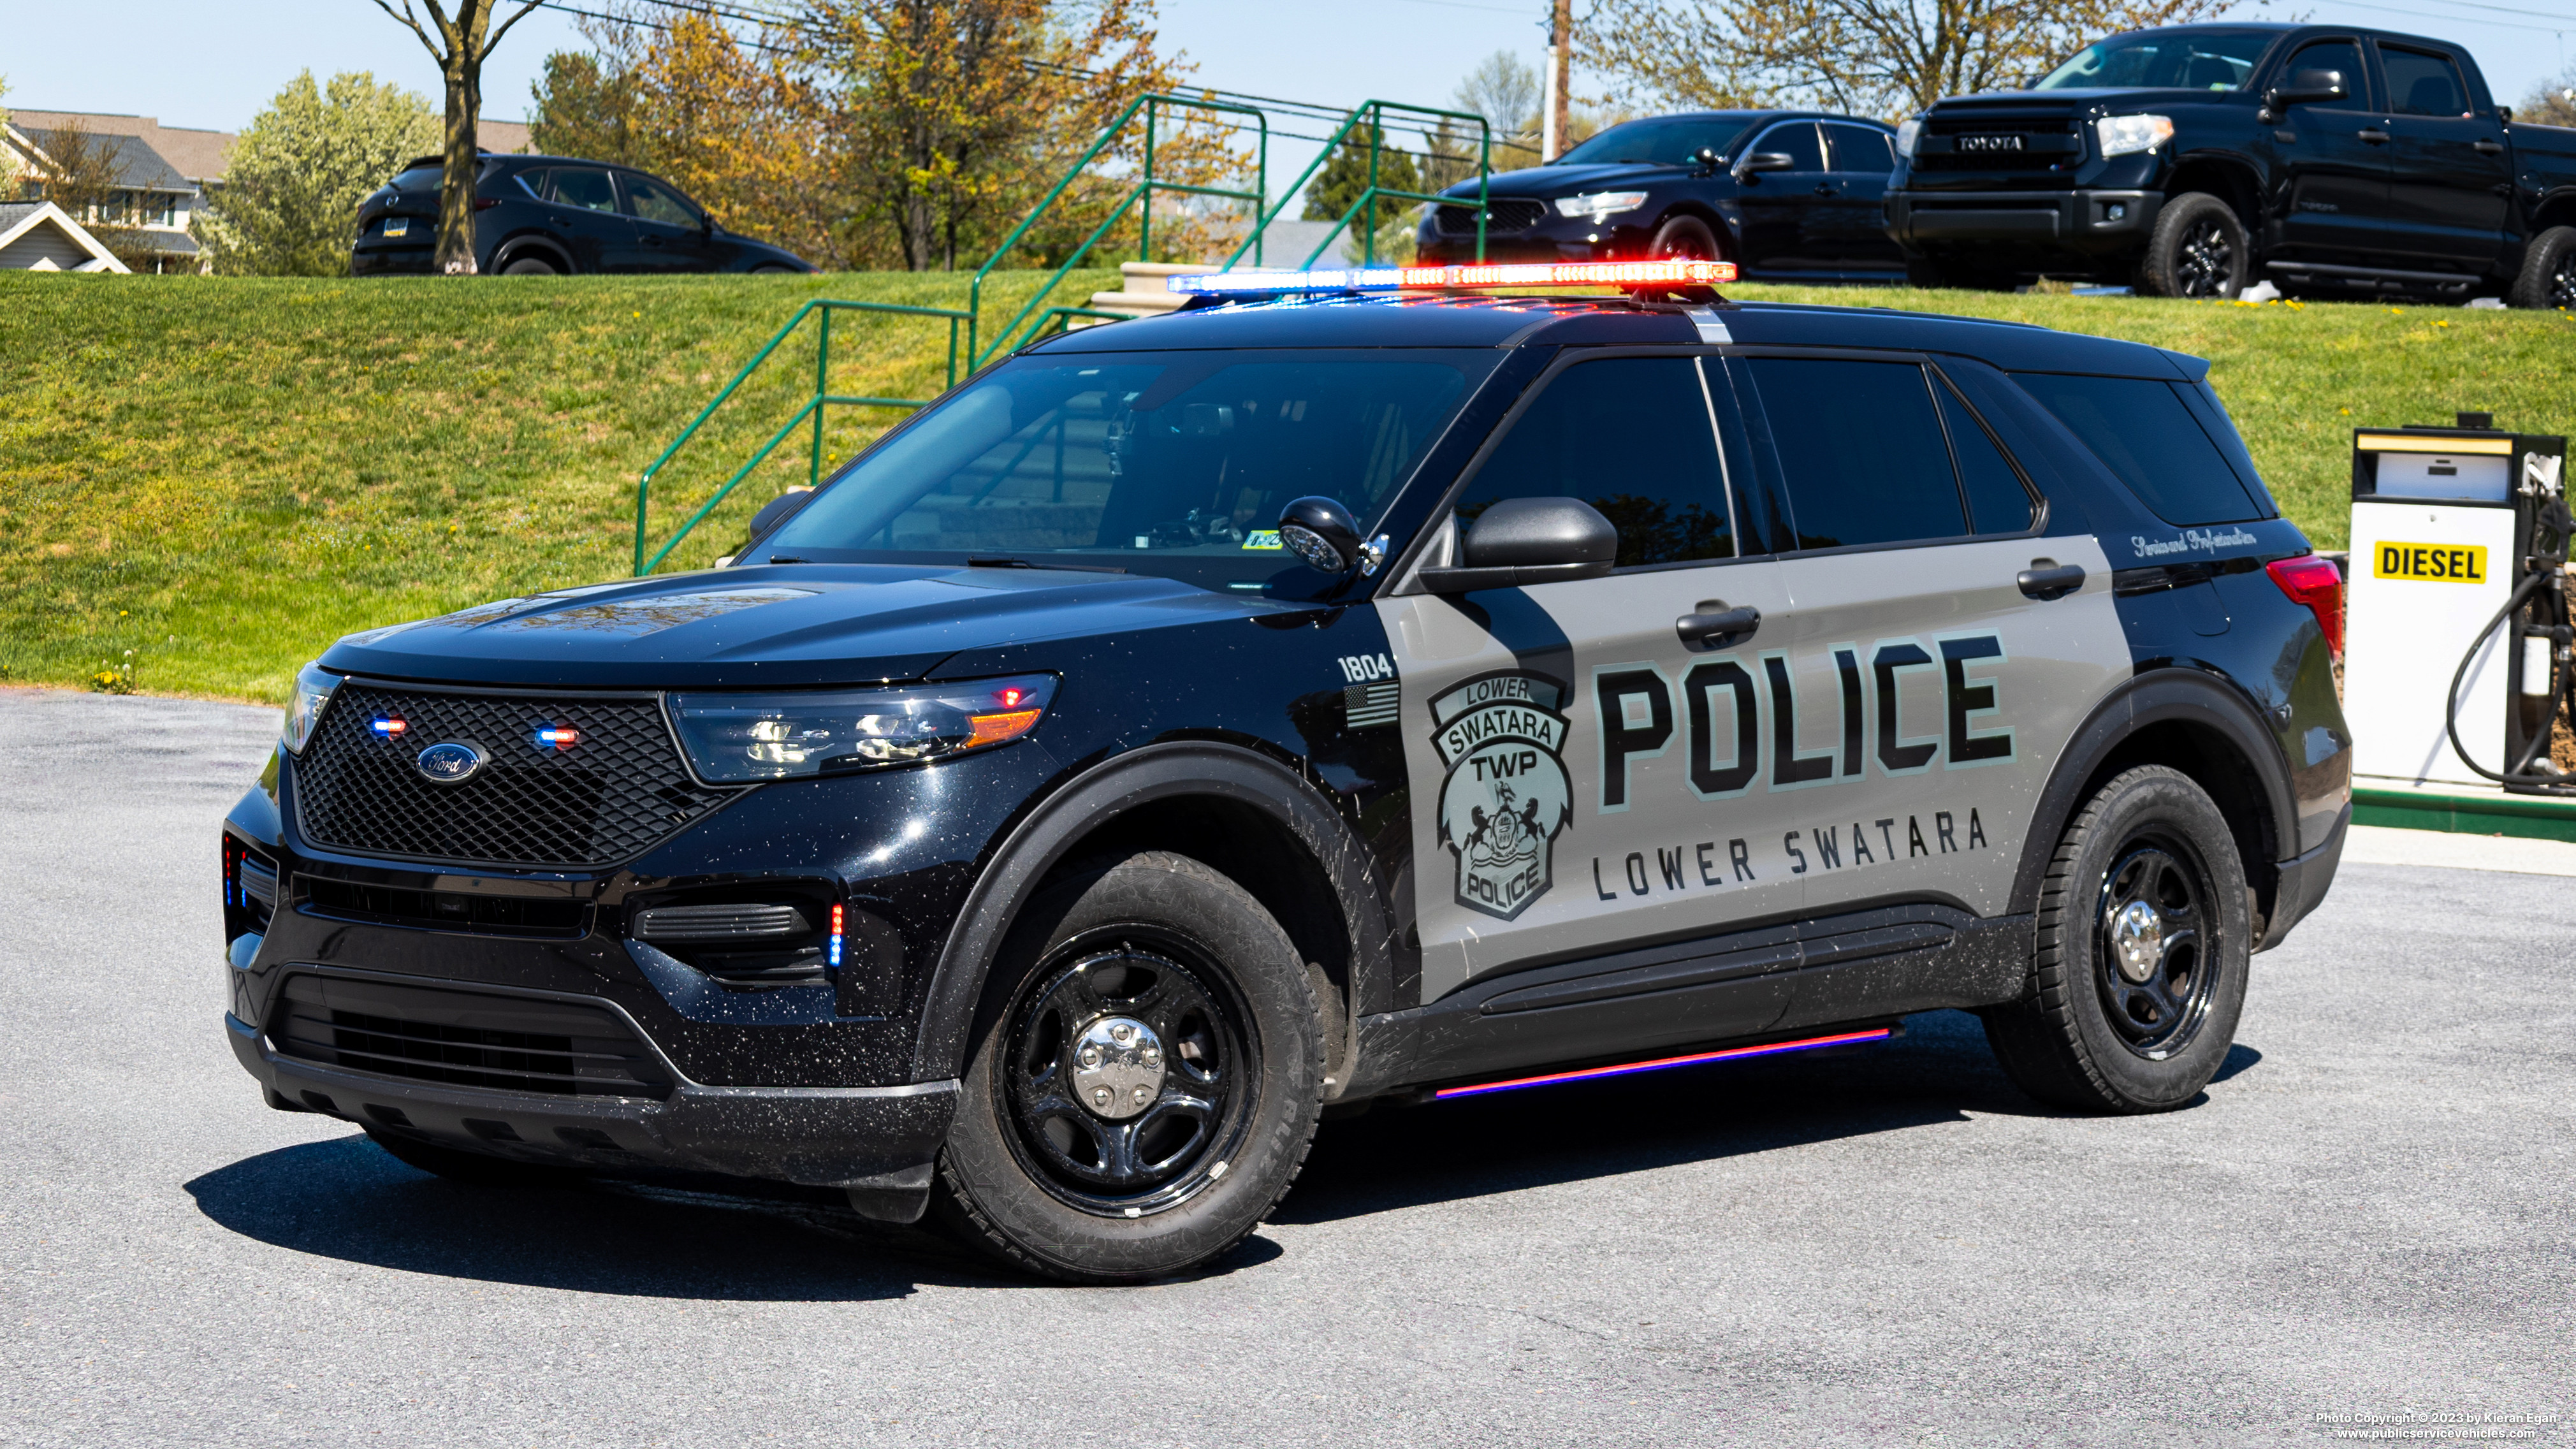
(2489, 148)
(2373, 135)
(1716, 626)
(2046, 578)
(1824, 188)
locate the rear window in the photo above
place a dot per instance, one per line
(418, 178)
(2145, 432)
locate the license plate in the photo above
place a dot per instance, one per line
(399, 226)
(1990, 143)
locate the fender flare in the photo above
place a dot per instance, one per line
(1048, 834)
(517, 247)
(2159, 696)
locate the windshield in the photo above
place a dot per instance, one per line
(1667, 141)
(2199, 60)
(1167, 463)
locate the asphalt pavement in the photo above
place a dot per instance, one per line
(2367, 1214)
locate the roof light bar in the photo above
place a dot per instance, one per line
(1876, 1033)
(1460, 278)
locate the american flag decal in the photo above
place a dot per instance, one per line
(1376, 703)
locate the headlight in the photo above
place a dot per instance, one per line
(2122, 135)
(313, 686)
(1600, 203)
(743, 737)
(1906, 132)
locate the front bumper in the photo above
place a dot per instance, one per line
(2027, 225)
(848, 1137)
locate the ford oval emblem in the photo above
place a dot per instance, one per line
(449, 762)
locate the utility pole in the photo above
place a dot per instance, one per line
(1560, 67)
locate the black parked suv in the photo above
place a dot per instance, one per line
(1785, 195)
(2196, 160)
(550, 215)
(1043, 821)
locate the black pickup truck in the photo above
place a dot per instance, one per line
(2195, 160)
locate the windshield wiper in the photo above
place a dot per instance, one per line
(1004, 561)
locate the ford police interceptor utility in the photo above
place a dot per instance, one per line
(1350, 686)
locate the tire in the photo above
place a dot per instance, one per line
(2198, 249)
(2146, 878)
(1685, 238)
(1924, 272)
(1040, 1177)
(530, 267)
(476, 1169)
(2548, 276)
(773, 270)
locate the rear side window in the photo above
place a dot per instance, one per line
(1632, 437)
(1997, 501)
(1858, 148)
(1861, 451)
(2422, 84)
(2144, 432)
(587, 187)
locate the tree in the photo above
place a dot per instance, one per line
(1337, 187)
(949, 117)
(2551, 104)
(586, 106)
(291, 192)
(1882, 57)
(463, 43)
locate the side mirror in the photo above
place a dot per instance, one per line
(2306, 86)
(1322, 533)
(1521, 541)
(775, 511)
(1761, 161)
(1706, 158)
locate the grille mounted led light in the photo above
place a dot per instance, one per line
(1471, 277)
(558, 737)
(388, 728)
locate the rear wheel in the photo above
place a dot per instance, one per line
(530, 267)
(2198, 249)
(1684, 238)
(2548, 276)
(1143, 1084)
(2143, 941)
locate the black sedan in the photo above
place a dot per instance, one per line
(549, 215)
(1791, 195)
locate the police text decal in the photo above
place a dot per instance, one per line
(1506, 797)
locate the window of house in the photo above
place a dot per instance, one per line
(1632, 437)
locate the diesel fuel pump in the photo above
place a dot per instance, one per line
(2459, 577)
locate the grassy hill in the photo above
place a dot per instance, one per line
(223, 475)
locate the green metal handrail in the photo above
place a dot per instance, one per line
(823, 307)
(1010, 334)
(1374, 112)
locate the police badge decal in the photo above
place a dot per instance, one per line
(1506, 797)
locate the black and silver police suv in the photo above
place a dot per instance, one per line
(2197, 160)
(554, 215)
(1299, 700)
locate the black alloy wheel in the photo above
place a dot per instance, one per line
(2155, 980)
(2198, 249)
(529, 267)
(2139, 965)
(1124, 1070)
(2548, 277)
(1684, 238)
(1145, 1076)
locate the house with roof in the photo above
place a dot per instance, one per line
(37, 236)
(164, 173)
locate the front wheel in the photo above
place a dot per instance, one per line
(2198, 249)
(1144, 1080)
(1684, 238)
(530, 267)
(2548, 277)
(2143, 941)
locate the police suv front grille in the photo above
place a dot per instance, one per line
(607, 799)
(2000, 143)
(464, 1039)
(1504, 216)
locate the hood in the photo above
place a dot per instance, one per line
(779, 625)
(2074, 99)
(1548, 182)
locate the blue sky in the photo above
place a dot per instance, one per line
(194, 64)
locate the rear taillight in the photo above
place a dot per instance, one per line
(2318, 584)
(486, 203)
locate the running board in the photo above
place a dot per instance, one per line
(1621, 1069)
(2375, 278)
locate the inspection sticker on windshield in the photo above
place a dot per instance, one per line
(1262, 538)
